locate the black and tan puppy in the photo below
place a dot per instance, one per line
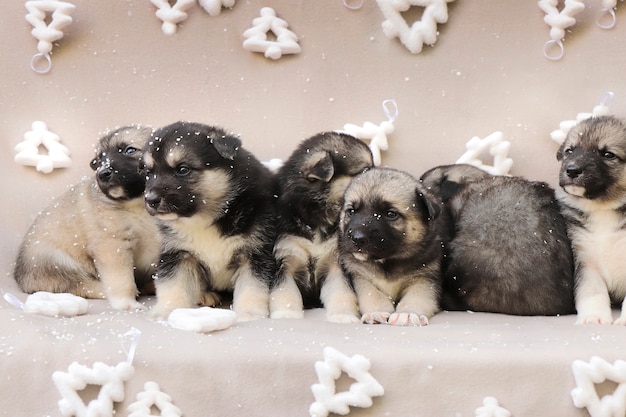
(389, 246)
(216, 206)
(506, 244)
(96, 240)
(593, 181)
(312, 183)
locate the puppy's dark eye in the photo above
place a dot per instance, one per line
(568, 150)
(608, 155)
(349, 212)
(130, 150)
(183, 171)
(94, 163)
(391, 215)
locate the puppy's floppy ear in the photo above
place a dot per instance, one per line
(559, 153)
(427, 204)
(319, 167)
(226, 145)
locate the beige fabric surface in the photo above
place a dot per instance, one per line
(486, 73)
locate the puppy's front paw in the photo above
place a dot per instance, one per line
(408, 319)
(621, 321)
(342, 318)
(375, 318)
(210, 299)
(594, 319)
(287, 314)
(125, 304)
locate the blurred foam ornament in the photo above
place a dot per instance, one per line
(423, 31)
(171, 14)
(214, 7)
(606, 18)
(558, 22)
(202, 319)
(359, 394)
(60, 15)
(153, 397)
(110, 379)
(497, 147)
(376, 134)
(256, 39)
(274, 164)
(602, 109)
(588, 376)
(491, 408)
(28, 151)
(51, 304)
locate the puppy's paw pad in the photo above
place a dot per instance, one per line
(287, 314)
(408, 319)
(342, 318)
(375, 318)
(593, 319)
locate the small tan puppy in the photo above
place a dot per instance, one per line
(96, 240)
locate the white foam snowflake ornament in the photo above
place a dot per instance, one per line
(48, 18)
(491, 408)
(28, 151)
(376, 134)
(423, 31)
(360, 393)
(559, 20)
(172, 14)
(597, 371)
(497, 147)
(565, 126)
(152, 396)
(202, 319)
(214, 7)
(256, 37)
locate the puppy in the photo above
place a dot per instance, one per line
(593, 191)
(506, 245)
(312, 183)
(96, 240)
(216, 206)
(389, 246)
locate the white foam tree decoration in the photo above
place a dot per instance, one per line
(558, 22)
(50, 304)
(597, 371)
(256, 37)
(360, 392)
(423, 31)
(497, 147)
(60, 13)
(171, 15)
(214, 7)
(153, 396)
(28, 152)
(376, 134)
(491, 408)
(602, 109)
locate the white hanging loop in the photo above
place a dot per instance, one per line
(549, 47)
(607, 97)
(390, 107)
(606, 14)
(353, 5)
(13, 300)
(39, 58)
(133, 333)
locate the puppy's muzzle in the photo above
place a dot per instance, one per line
(153, 201)
(105, 174)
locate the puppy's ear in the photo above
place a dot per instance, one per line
(559, 153)
(427, 204)
(320, 167)
(226, 145)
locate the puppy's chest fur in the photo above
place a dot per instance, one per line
(217, 251)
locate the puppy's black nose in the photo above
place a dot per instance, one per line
(105, 174)
(357, 237)
(152, 199)
(573, 170)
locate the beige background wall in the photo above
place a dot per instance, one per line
(115, 66)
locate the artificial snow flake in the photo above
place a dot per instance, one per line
(565, 126)
(423, 31)
(597, 371)
(491, 408)
(360, 392)
(110, 379)
(558, 22)
(376, 134)
(256, 37)
(47, 33)
(214, 7)
(153, 396)
(497, 147)
(171, 14)
(28, 150)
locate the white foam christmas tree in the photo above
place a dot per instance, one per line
(172, 14)
(423, 31)
(558, 22)
(256, 39)
(152, 396)
(60, 13)
(360, 392)
(491, 408)
(214, 7)
(28, 151)
(565, 126)
(597, 371)
(497, 147)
